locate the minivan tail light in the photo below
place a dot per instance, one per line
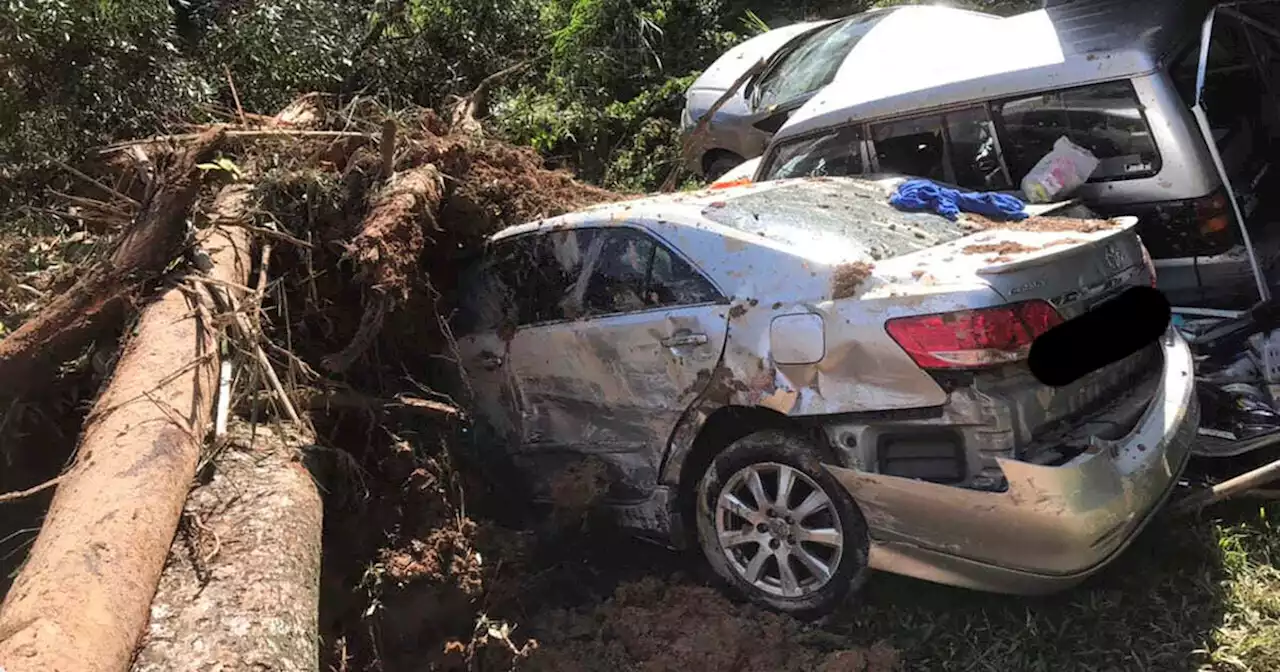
(1213, 212)
(970, 339)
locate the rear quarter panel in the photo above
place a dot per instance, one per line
(862, 368)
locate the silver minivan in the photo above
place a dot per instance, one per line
(1139, 84)
(799, 60)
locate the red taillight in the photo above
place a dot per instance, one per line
(1213, 212)
(970, 339)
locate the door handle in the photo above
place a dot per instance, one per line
(489, 361)
(685, 340)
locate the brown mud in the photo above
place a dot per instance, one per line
(849, 277)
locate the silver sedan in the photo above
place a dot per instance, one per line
(805, 383)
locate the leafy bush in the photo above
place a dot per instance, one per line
(77, 72)
(603, 91)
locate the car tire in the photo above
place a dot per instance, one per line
(818, 531)
(720, 165)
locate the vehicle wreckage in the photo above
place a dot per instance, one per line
(805, 383)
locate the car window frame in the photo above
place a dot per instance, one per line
(719, 298)
(870, 158)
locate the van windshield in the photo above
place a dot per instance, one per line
(813, 64)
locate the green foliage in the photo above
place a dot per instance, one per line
(76, 72)
(276, 49)
(603, 91)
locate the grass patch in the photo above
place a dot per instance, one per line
(1187, 595)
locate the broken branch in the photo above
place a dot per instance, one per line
(35, 490)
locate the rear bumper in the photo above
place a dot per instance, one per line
(1054, 525)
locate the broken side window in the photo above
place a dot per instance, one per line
(560, 260)
(912, 147)
(617, 282)
(1106, 119)
(491, 286)
(972, 147)
(673, 282)
(834, 154)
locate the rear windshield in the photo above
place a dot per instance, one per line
(835, 209)
(1106, 119)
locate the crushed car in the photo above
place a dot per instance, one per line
(805, 383)
(1174, 98)
(799, 60)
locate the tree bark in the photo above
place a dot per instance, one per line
(84, 596)
(386, 252)
(241, 589)
(31, 354)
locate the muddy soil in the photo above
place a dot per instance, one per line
(849, 277)
(1045, 223)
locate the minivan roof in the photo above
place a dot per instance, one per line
(1068, 43)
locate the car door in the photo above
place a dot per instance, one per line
(489, 312)
(611, 380)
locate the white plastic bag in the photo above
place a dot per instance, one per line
(1060, 172)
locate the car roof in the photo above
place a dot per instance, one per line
(1067, 43)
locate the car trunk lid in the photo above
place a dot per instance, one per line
(1073, 265)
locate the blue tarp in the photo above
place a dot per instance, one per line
(926, 195)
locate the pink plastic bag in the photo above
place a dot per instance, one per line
(1063, 170)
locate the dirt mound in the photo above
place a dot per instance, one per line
(656, 626)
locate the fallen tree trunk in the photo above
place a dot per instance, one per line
(31, 354)
(386, 252)
(241, 589)
(84, 595)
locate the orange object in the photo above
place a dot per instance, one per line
(732, 183)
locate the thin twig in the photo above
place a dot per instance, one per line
(98, 184)
(272, 233)
(13, 496)
(90, 203)
(235, 95)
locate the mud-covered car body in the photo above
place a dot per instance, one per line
(646, 335)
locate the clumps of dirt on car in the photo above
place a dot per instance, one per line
(1042, 223)
(659, 625)
(849, 277)
(1002, 248)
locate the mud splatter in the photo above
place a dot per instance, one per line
(1004, 248)
(848, 277)
(1072, 224)
(579, 487)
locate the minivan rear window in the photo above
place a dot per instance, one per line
(1106, 119)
